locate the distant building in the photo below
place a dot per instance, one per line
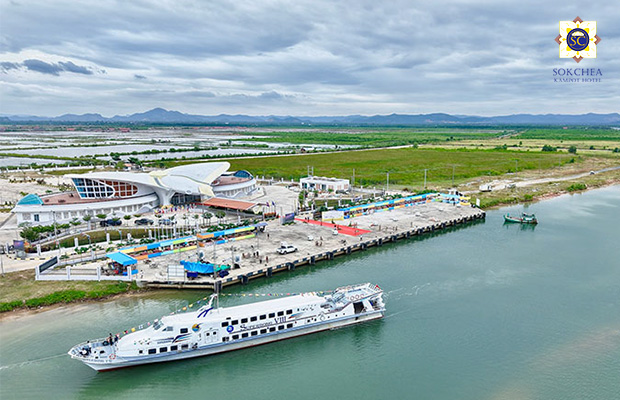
(324, 184)
(123, 193)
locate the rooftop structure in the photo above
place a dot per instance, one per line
(121, 193)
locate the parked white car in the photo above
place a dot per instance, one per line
(285, 249)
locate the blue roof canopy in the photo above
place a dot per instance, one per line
(122, 258)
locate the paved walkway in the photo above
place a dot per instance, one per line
(343, 229)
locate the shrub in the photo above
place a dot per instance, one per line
(11, 305)
(572, 149)
(576, 187)
(548, 148)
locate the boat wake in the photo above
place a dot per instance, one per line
(21, 364)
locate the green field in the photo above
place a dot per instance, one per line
(376, 137)
(406, 166)
(585, 133)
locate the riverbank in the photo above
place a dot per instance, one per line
(19, 290)
(542, 191)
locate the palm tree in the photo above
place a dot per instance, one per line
(87, 218)
(220, 215)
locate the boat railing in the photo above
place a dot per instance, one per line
(93, 344)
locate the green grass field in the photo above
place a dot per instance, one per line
(406, 165)
(570, 134)
(376, 137)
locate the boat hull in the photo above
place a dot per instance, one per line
(520, 220)
(241, 344)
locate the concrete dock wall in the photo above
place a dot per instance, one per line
(238, 277)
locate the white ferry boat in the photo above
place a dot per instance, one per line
(211, 330)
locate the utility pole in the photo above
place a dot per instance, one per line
(353, 183)
(1, 257)
(453, 175)
(425, 178)
(387, 182)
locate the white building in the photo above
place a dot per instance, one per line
(121, 193)
(324, 184)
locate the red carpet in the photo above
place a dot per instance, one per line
(343, 229)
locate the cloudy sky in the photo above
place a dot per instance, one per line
(299, 57)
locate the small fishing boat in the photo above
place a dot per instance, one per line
(523, 219)
(212, 330)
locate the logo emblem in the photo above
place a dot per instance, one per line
(196, 327)
(577, 39)
(230, 328)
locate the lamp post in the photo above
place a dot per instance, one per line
(90, 246)
(56, 232)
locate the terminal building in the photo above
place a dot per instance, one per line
(122, 193)
(323, 184)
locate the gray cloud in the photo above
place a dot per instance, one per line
(43, 67)
(77, 69)
(7, 66)
(47, 68)
(303, 57)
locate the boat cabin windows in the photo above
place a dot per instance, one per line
(168, 329)
(289, 312)
(254, 333)
(235, 322)
(272, 329)
(263, 316)
(184, 330)
(253, 319)
(225, 339)
(244, 335)
(184, 346)
(152, 351)
(280, 327)
(262, 331)
(280, 313)
(244, 320)
(163, 349)
(224, 324)
(235, 337)
(140, 352)
(272, 315)
(289, 326)
(174, 348)
(157, 325)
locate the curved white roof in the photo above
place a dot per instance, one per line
(190, 179)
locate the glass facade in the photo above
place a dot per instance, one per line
(93, 189)
(182, 198)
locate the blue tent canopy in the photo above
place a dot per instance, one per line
(202, 268)
(122, 258)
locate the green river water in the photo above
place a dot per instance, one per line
(487, 311)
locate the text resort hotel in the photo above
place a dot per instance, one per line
(122, 193)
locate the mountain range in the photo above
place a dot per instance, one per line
(162, 116)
